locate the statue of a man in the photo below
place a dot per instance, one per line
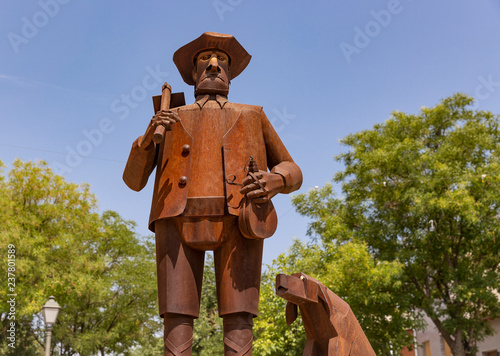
(200, 187)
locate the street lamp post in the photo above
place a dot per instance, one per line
(49, 311)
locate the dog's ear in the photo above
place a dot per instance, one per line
(291, 313)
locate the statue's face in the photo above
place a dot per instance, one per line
(211, 73)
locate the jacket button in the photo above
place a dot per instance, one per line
(183, 180)
(186, 148)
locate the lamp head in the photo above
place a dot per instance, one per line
(50, 311)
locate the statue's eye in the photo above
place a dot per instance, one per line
(205, 57)
(220, 58)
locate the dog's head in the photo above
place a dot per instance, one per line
(298, 289)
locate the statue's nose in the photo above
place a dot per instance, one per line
(213, 65)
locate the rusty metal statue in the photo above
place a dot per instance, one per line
(331, 327)
(209, 193)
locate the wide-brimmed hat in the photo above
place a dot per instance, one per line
(184, 57)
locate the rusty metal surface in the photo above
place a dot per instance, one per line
(331, 327)
(257, 221)
(200, 158)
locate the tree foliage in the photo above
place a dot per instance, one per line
(423, 191)
(99, 271)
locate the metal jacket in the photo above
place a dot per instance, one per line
(204, 155)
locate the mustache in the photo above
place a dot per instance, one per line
(212, 76)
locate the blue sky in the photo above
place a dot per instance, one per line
(76, 78)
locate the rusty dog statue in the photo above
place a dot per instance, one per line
(331, 327)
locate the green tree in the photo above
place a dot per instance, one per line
(423, 191)
(99, 271)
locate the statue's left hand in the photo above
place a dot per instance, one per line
(270, 185)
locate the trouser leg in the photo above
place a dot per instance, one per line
(238, 334)
(178, 335)
(179, 271)
(237, 269)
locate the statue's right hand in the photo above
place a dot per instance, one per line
(164, 118)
